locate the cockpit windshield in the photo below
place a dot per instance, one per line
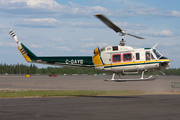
(156, 52)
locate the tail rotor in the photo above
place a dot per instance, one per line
(14, 36)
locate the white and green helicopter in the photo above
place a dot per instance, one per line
(116, 59)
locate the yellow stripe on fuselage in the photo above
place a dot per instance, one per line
(161, 60)
(137, 62)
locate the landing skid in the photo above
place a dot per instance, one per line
(136, 79)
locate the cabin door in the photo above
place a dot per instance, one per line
(139, 58)
(115, 61)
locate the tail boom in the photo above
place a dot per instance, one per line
(69, 61)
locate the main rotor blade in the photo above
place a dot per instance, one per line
(113, 26)
(108, 23)
(135, 36)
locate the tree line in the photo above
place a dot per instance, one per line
(33, 69)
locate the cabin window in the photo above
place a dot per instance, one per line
(117, 58)
(127, 57)
(115, 48)
(137, 56)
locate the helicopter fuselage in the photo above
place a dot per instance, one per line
(117, 59)
(125, 59)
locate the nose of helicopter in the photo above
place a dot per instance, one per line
(165, 63)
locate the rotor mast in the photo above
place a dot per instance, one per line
(122, 41)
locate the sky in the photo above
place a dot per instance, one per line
(66, 28)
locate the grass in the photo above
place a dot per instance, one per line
(53, 93)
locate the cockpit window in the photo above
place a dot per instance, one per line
(158, 55)
(148, 57)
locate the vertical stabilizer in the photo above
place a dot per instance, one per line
(26, 53)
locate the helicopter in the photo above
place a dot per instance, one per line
(116, 59)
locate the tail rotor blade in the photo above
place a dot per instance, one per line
(14, 36)
(12, 33)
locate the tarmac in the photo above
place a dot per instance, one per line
(84, 82)
(137, 107)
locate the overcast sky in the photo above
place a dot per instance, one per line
(61, 27)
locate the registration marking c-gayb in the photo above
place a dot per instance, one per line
(74, 61)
